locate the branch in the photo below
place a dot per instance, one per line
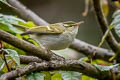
(28, 47)
(67, 65)
(62, 64)
(26, 13)
(104, 25)
(48, 55)
(29, 59)
(88, 49)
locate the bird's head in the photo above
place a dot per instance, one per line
(72, 25)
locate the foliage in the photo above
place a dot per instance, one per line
(84, 77)
(35, 76)
(9, 24)
(116, 25)
(106, 68)
(116, 22)
(70, 75)
(13, 54)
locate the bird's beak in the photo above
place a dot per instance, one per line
(79, 23)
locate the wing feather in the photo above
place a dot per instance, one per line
(50, 29)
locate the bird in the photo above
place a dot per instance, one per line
(56, 36)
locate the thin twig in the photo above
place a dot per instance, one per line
(4, 57)
(104, 25)
(87, 2)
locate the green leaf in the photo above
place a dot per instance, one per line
(56, 76)
(116, 13)
(10, 19)
(105, 68)
(13, 24)
(47, 75)
(28, 24)
(35, 76)
(8, 46)
(3, 67)
(116, 22)
(2, 64)
(30, 77)
(9, 28)
(14, 55)
(7, 21)
(116, 26)
(84, 77)
(70, 75)
(39, 76)
(83, 59)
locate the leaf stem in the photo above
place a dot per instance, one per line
(4, 57)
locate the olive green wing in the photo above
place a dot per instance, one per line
(50, 29)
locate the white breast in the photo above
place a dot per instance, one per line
(56, 42)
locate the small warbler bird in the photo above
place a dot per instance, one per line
(55, 36)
